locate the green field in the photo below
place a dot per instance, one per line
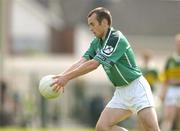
(50, 129)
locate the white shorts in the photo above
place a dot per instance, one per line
(173, 96)
(134, 97)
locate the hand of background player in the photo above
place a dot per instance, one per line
(59, 82)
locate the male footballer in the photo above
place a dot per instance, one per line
(111, 49)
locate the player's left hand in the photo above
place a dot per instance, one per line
(59, 82)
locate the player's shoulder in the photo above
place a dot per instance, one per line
(115, 34)
(114, 37)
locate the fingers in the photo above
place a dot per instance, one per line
(58, 83)
(55, 77)
(56, 88)
(54, 83)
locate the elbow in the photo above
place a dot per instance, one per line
(94, 64)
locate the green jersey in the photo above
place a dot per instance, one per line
(116, 56)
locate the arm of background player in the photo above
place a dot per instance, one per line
(163, 91)
(174, 81)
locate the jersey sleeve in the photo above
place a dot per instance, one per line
(114, 48)
(91, 52)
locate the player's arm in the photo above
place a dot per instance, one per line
(75, 65)
(82, 69)
(163, 91)
(174, 81)
(79, 68)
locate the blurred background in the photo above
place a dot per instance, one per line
(40, 37)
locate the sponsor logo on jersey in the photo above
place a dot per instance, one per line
(102, 57)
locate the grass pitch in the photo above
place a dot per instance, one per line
(50, 129)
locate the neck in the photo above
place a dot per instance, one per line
(105, 33)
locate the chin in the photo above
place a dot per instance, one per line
(98, 36)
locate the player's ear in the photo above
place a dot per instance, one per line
(104, 22)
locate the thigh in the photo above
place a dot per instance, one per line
(142, 97)
(111, 116)
(148, 118)
(170, 112)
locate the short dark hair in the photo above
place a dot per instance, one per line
(101, 13)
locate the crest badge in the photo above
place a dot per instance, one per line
(108, 50)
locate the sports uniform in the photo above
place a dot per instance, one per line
(172, 71)
(117, 58)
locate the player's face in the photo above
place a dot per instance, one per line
(95, 27)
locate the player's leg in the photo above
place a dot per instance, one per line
(140, 125)
(148, 118)
(178, 119)
(110, 117)
(169, 115)
(115, 111)
(171, 107)
(143, 103)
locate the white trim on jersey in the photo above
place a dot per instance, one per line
(115, 46)
(108, 37)
(121, 74)
(128, 60)
(128, 47)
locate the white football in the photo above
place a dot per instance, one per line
(45, 88)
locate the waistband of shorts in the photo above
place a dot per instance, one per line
(137, 79)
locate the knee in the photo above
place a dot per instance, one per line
(101, 127)
(151, 126)
(154, 128)
(169, 117)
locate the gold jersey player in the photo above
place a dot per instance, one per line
(111, 49)
(170, 92)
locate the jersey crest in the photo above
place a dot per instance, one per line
(108, 49)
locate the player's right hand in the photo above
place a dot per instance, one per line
(59, 83)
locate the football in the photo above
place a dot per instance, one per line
(45, 88)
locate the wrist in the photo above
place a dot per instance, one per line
(67, 77)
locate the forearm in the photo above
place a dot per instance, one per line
(81, 70)
(174, 81)
(163, 90)
(75, 65)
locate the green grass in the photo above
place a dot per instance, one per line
(50, 129)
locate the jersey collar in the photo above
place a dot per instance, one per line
(108, 32)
